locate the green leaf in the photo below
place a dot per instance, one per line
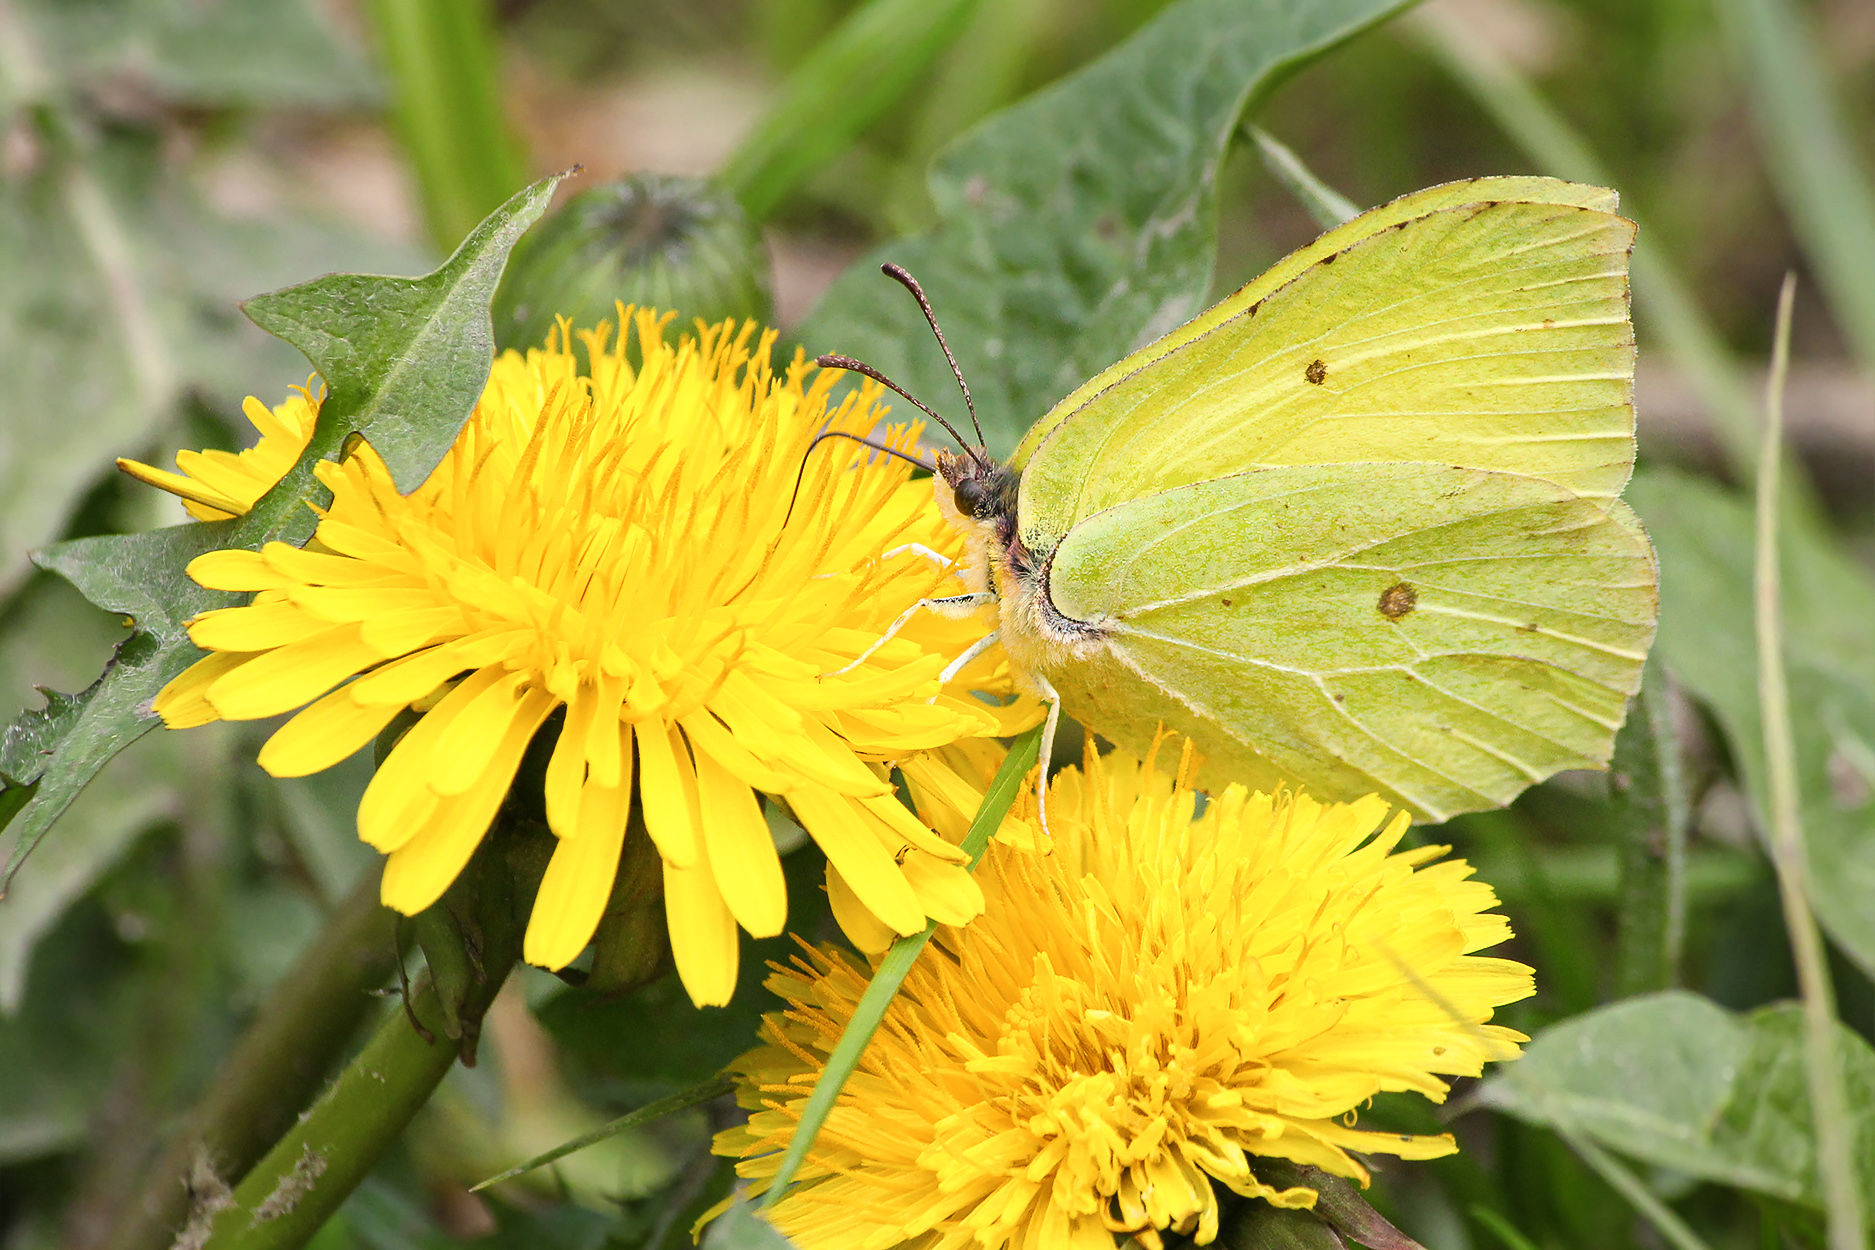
(741, 1228)
(139, 575)
(264, 53)
(404, 360)
(88, 370)
(120, 295)
(845, 84)
(1704, 537)
(1677, 1081)
(1081, 222)
(52, 638)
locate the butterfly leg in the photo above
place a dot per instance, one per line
(1053, 699)
(956, 607)
(923, 552)
(962, 662)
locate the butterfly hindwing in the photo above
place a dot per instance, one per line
(1443, 635)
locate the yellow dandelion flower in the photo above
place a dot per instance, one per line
(216, 485)
(618, 542)
(1141, 1014)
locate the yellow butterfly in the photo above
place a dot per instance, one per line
(1357, 526)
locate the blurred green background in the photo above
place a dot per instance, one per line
(162, 159)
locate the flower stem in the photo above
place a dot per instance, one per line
(474, 940)
(1649, 806)
(275, 1069)
(310, 1172)
(1829, 1102)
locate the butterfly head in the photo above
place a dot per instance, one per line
(980, 490)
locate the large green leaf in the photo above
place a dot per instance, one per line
(53, 638)
(1704, 535)
(1082, 222)
(1677, 1081)
(120, 294)
(404, 360)
(198, 52)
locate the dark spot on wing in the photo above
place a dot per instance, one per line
(1549, 323)
(1317, 372)
(1225, 602)
(1531, 628)
(1330, 258)
(1341, 698)
(1397, 600)
(1252, 310)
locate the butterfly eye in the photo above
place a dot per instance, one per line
(969, 496)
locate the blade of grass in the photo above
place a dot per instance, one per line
(1501, 1228)
(892, 969)
(1664, 298)
(1326, 205)
(845, 84)
(446, 105)
(1819, 174)
(1829, 1106)
(1671, 1227)
(632, 1119)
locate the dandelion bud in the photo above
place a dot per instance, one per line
(650, 240)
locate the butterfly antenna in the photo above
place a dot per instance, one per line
(904, 279)
(859, 366)
(823, 436)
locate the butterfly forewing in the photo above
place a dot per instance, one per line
(1490, 335)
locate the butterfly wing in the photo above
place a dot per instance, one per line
(1356, 526)
(1442, 635)
(1483, 324)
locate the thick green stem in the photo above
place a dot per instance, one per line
(472, 939)
(310, 1172)
(274, 1070)
(1649, 808)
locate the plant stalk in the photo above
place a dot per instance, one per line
(310, 1172)
(1829, 1100)
(274, 1070)
(1648, 803)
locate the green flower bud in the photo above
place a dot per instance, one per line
(675, 244)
